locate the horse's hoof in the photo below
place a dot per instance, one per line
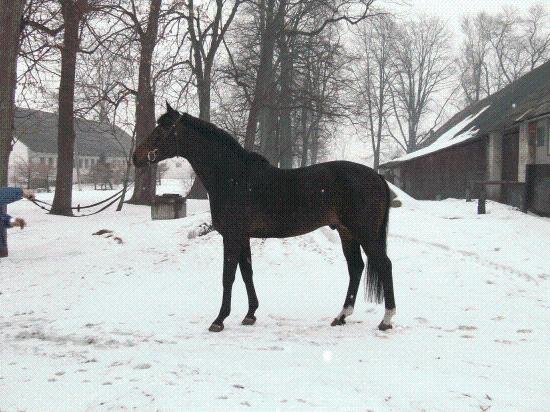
(216, 327)
(249, 320)
(384, 326)
(338, 321)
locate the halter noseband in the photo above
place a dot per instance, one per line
(152, 154)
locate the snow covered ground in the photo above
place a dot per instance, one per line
(87, 323)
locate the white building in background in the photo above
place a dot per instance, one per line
(35, 150)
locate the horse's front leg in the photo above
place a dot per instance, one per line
(231, 252)
(245, 264)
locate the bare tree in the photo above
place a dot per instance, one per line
(320, 82)
(280, 23)
(498, 49)
(374, 74)
(205, 43)
(32, 174)
(72, 19)
(473, 60)
(147, 36)
(507, 47)
(270, 13)
(537, 35)
(73, 13)
(11, 12)
(206, 35)
(422, 69)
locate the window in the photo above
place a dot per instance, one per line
(86, 163)
(80, 163)
(42, 160)
(50, 161)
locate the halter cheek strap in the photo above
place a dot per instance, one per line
(176, 141)
(152, 154)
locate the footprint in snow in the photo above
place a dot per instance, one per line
(505, 341)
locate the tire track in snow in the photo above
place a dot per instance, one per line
(473, 255)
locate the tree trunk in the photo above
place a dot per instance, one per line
(65, 124)
(285, 125)
(265, 74)
(412, 146)
(126, 178)
(198, 191)
(269, 142)
(145, 179)
(315, 145)
(10, 23)
(305, 137)
(204, 85)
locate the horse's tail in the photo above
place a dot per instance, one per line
(377, 255)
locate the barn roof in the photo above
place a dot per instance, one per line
(526, 98)
(38, 131)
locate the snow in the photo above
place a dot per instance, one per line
(450, 138)
(402, 195)
(87, 323)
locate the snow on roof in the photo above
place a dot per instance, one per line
(402, 195)
(455, 135)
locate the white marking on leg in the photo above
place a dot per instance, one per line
(388, 315)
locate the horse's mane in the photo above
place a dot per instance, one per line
(212, 132)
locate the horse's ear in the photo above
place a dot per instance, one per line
(169, 108)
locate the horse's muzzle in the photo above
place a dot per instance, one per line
(138, 162)
(152, 155)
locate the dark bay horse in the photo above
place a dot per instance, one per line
(249, 198)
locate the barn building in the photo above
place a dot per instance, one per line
(501, 141)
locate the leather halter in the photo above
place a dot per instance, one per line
(152, 154)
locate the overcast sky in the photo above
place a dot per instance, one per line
(453, 10)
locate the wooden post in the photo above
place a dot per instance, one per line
(524, 201)
(481, 202)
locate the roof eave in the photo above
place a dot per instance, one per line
(393, 163)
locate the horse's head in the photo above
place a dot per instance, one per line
(162, 143)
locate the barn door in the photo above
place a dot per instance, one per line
(510, 154)
(510, 151)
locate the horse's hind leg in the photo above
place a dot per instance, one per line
(245, 264)
(352, 252)
(379, 278)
